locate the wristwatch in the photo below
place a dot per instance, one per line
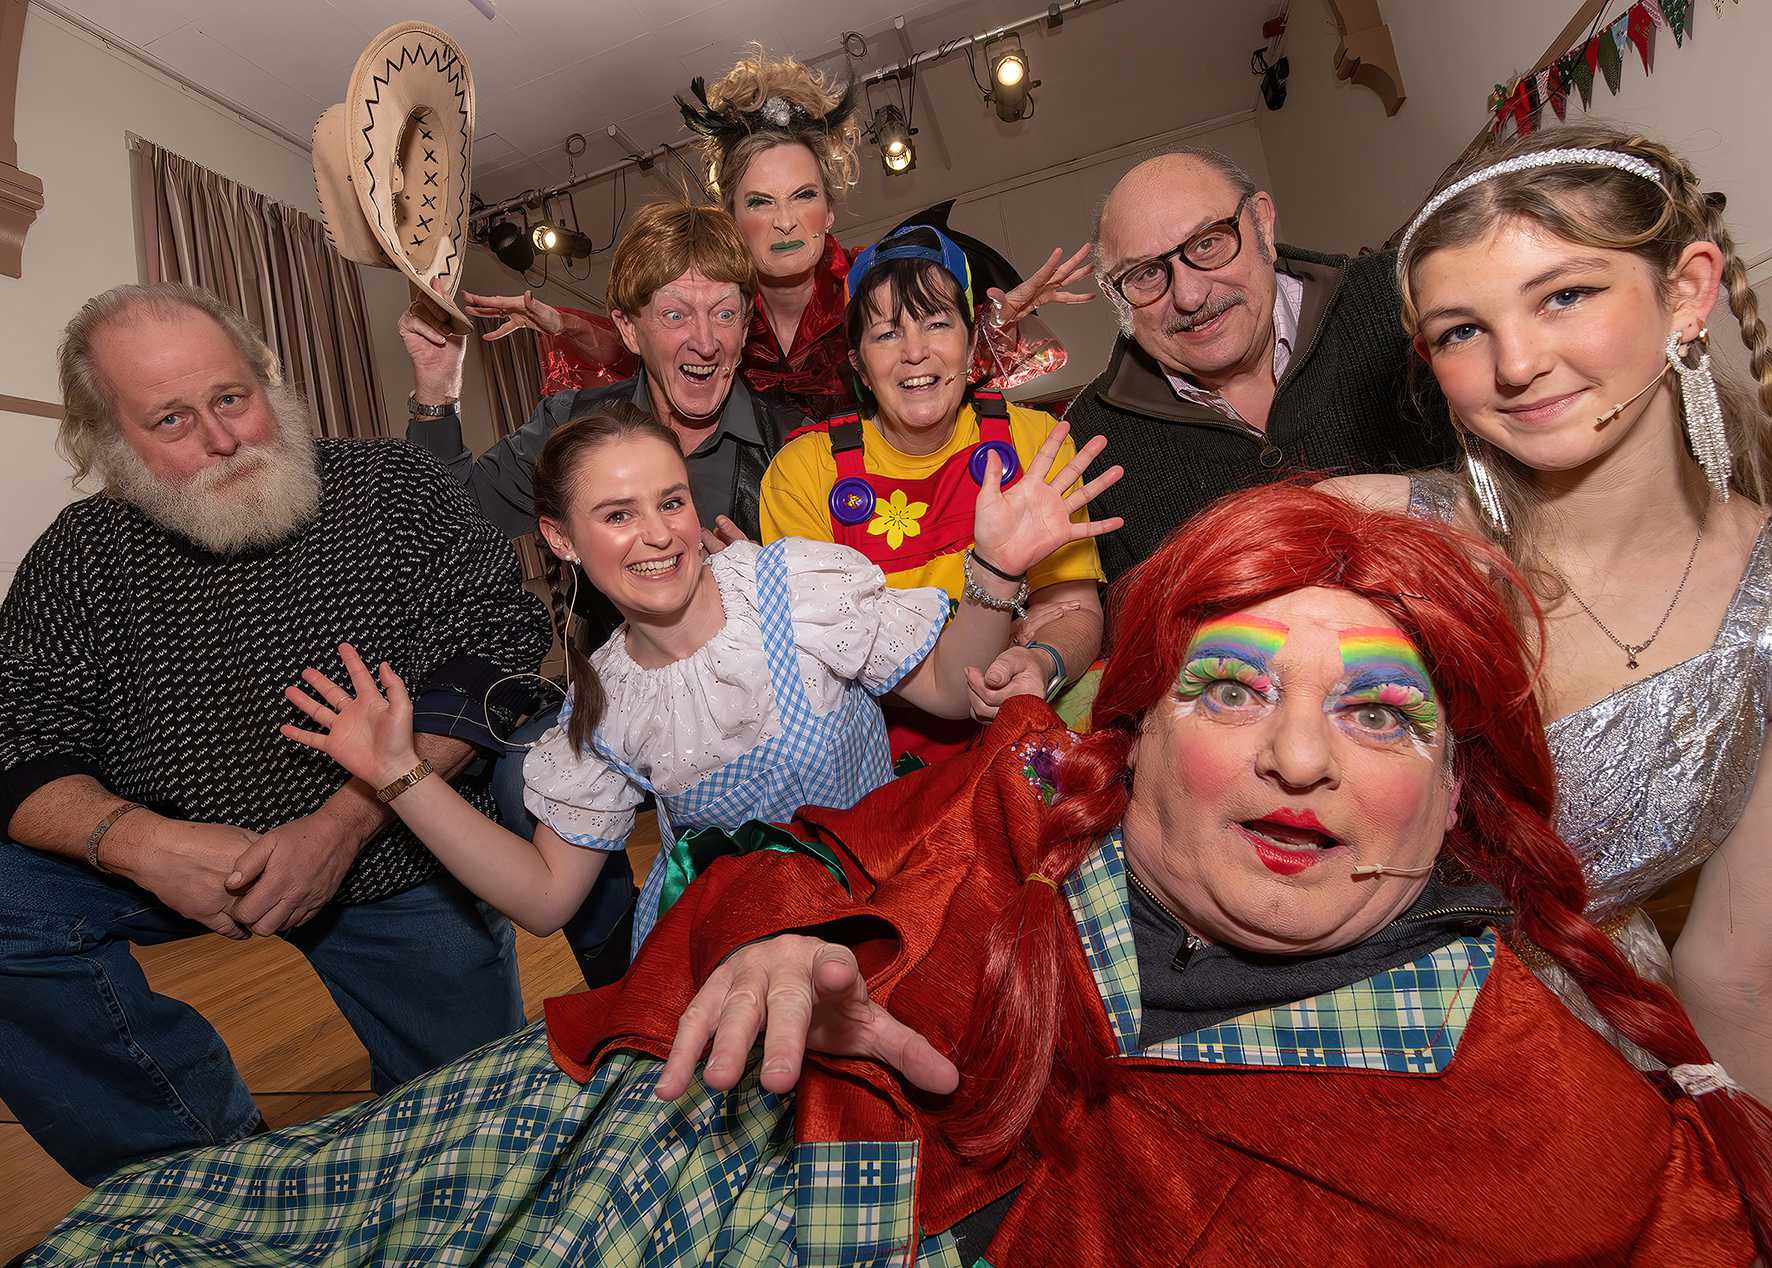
(420, 410)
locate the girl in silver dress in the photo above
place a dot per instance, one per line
(1558, 289)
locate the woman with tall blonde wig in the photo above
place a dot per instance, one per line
(778, 143)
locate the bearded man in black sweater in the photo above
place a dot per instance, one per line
(145, 793)
(1237, 364)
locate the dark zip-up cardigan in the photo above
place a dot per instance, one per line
(1343, 406)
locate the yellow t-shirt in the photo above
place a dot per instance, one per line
(797, 488)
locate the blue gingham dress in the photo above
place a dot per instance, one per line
(829, 749)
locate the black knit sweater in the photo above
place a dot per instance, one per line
(131, 655)
(1343, 406)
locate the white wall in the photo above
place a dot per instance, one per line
(1345, 176)
(77, 101)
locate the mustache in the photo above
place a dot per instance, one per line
(1206, 312)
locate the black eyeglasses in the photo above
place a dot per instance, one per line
(1212, 247)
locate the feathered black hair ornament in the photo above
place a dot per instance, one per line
(726, 128)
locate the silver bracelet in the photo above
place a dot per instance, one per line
(975, 593)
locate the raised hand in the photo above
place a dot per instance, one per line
(437, 354)
(1044, 287)
(1016, 529)
(368, 734)
(520, 312)
(801, 993)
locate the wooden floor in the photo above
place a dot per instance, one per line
(288, 1039)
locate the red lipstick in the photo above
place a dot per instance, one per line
(1295, 819)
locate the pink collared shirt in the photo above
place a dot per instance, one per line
(1288, 301)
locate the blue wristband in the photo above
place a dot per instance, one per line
(1060, 674)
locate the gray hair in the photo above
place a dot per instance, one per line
(88, 403)
(1233, 172)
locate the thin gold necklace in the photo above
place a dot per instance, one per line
(1633, 650)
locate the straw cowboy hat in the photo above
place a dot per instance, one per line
(392, 162)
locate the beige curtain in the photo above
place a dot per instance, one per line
(275, 265)
(513, 391)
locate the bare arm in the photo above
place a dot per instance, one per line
(1073, 629)
(538, 883)
(185, 865)
(1013, 531)
(1723, 959)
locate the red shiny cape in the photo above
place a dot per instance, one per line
(1537, 1143)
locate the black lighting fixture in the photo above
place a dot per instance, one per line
(509, 242)
(890, 131)
(1273, 77)
(1011, 84)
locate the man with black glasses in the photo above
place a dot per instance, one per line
(1238, 364)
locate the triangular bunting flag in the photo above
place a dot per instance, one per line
(1642, 33)
(1655, 14)
(1534, 99)
(1619, 30)
(1525, 120)
(1557, 90)
(1677, 12)
(1586, 68)
(1611, 62)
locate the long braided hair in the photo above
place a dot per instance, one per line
(1455, 598)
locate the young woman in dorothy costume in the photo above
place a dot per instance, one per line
(741, 686)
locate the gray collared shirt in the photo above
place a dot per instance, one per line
(502, 480)
(1288, 302)
(713, 467)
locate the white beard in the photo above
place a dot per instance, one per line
(257, 496)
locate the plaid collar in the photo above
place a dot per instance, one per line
(1406, 1020)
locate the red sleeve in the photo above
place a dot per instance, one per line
(903, 849)
(1697, 1215)
(569, 362)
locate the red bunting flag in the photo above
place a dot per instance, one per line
(1642, 32)
(1556, 91)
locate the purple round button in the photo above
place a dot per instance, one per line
(852, 500)
(1005, 454)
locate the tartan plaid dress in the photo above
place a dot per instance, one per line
(501, 1158)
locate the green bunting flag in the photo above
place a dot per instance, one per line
(1611, 64)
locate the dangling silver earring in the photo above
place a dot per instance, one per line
(1705, 432)
(1482, 480)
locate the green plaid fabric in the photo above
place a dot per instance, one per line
(500, 1159)
(1103, 912)
(1407, 1020)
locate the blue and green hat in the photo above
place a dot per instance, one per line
(912, 242)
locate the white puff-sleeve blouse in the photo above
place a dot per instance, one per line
(678, 723)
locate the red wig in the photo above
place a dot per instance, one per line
(1456, 599)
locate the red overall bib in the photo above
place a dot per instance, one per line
(951, 494)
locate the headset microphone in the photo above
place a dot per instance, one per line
(1619, 408)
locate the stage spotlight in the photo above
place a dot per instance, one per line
(897, 151)
(511, 246)
(1009, 78)
(556, 239)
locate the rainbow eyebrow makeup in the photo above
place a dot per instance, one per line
(1383, 667)
(1237, 648)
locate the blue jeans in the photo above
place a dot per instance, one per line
(598, 933)
(102, 1071)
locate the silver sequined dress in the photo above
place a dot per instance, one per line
(1653, 777)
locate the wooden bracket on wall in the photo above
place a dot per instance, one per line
(21, 194)
(1365, 54)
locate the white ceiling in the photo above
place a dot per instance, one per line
(546, 68)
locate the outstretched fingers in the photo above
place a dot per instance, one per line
(1106, 480)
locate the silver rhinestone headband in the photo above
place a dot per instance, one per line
(1526, 162)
